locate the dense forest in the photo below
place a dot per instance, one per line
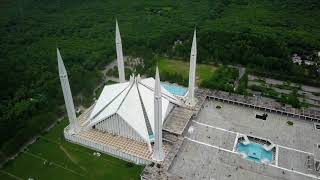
(260, 34)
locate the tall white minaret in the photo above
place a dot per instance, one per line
(119, 54)
(74, 126)
(158, 154)
(192, 71)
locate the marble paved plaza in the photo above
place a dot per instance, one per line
(207, 151)
(197, 161)
(301, 135)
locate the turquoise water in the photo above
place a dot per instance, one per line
(151, 137)
(255, 152)
(177, 90)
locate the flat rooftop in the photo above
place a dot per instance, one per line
(208, 150)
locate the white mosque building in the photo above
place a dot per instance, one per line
(126, 120)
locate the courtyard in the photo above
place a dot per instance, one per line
(208, 150)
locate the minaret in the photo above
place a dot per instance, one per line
(158, 154)
(192, 71)
(119, 54)
(74, 126)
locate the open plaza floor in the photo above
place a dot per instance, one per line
(208, 150)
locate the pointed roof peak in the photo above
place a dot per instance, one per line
(58, 52)
(157, 88)
(117, 23)
(117, 26)
(194, 34)
(61, 67)
(118, 36)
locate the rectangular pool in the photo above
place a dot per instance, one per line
(176, 90)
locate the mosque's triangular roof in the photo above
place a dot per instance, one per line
(129, 100)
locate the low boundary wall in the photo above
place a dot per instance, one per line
(278, 111)
(104, 149)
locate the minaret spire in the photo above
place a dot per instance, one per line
(192, 71)
(74, 126)
(119, 54)
(158, 154)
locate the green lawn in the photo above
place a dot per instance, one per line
(170, 66)
(51, 157)
(223, 79)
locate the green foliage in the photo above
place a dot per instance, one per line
(52, 157)
(286, 86)
(128, 72)
(176, 71)
(222, 79)
(113, 72)
(291, 99)
(290, 123)
(261, 81)
(174, 78)
(298, 75)
(243, 85)
(109, 82)
(259, 34)
(265, 91)
(316, 93)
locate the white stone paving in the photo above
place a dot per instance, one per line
(301, 135)
(208, 151)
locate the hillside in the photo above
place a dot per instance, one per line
(259, 33)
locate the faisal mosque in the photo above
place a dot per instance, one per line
(207, 135)
(126, 121)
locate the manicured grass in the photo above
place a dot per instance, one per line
(171, 66)
(51, 157)
(3, 175)
(223, 79)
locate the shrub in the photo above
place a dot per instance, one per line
(290, 123)
(129, 164)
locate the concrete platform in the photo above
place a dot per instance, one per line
(197, 161)
(302, 135)
(177, 120)
(212, 136)
(207, 151)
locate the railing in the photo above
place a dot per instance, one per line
(295, 115)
